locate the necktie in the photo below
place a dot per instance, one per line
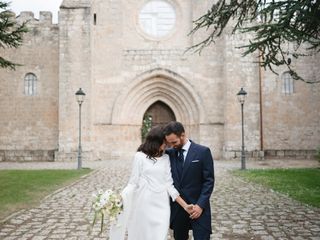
(180, 161)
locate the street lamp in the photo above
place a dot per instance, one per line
(80, 98)
(242, 97)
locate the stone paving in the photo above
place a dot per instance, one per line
(240, 210)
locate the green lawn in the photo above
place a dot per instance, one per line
(300, 184)
(24, 188)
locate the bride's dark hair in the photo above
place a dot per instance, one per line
(154, 139)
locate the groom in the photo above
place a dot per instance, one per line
(193, 176)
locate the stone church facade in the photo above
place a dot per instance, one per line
(129, 58)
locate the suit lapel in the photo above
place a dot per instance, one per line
(190, 155)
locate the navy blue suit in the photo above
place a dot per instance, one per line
(195, 187)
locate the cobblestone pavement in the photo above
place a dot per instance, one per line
(240, 210)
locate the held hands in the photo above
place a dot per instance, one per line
(193, 210)
(189, 208)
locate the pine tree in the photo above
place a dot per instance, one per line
(274, 24)
(11, 34)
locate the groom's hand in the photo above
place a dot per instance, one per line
(196, 212)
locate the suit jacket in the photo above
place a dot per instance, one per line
(196, 183)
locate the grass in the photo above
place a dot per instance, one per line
(300, 184)
(24, 188)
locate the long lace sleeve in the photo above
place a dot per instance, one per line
(169, 182)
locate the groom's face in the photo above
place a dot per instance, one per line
(175, 141)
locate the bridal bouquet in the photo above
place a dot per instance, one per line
(107, 204)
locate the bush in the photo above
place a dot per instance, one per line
(146, 126)
(318, 154)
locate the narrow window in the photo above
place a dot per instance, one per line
(30, 84)
(94, 19)
(287, 83)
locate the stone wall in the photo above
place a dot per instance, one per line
(27, 155)
(29, 124)
(291, 122)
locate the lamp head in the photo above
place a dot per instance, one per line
(242, 96)
(80, 96)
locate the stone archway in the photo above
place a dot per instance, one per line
(158, 85)
(136, 97)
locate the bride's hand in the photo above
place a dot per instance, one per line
(189, 208)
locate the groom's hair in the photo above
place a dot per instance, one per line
(173, 127)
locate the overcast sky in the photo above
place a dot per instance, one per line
(36, 6)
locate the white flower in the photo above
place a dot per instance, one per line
(107, 204)
(119, 203)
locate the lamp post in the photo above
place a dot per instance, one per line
(80, 98)
(242, 97)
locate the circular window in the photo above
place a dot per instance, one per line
(157, 18)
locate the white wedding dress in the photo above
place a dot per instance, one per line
(146, 200)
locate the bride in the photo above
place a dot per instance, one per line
(146, 197)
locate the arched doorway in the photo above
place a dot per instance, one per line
(158, 113)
